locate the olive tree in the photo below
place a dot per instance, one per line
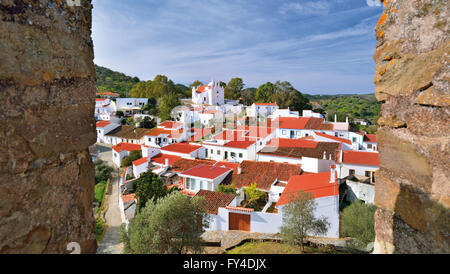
(299, 220)
(169, 226)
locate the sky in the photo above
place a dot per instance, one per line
(319, 46)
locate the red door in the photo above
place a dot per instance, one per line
(239, 221)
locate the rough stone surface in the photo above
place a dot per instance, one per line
(47, 91)
(412, 79)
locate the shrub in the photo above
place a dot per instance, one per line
(226, 189)
(358, 223)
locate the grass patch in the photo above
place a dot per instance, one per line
(99, 230)
(269, 247)
(99, 192)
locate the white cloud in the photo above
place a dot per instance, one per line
(373, 3)
(308, 8)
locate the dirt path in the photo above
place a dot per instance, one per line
(110, 242)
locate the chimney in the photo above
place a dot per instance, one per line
(166, 162)
(239, 170)
(324, 155)
(335, 118)
(332, 173)
(346, 119)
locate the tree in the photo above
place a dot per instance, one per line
(234, 88)
(147, 122)
(299, 220)
(265, 93)
(149, 188)
(253, 195)
(134, 155)
(130, 121)
(287, 96)
(168, 102)
(120, 114)
(358, 223)
(195, 84)
(170, 226)
(102, 171)
(226, 189)
(248, 96)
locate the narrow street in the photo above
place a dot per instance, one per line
(110, 242)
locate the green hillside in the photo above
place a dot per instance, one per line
(113, 81)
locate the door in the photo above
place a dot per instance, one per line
(292, 134)
(226, 154)
(238, 221)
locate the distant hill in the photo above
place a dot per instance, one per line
(113, 81)
(356, 106)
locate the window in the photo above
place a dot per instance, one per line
(298, 133)
(369, 145)
(212, 152)
(283, 132)
(367, 173)
(240, 155)
(351, 172)
(218, 152)
(306, 134)
(115, 154)
(232, 154)
(354, 140)
(188, 183)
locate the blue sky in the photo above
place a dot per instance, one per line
(320, 47)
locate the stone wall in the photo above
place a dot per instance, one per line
(47, 91)
(412, 80)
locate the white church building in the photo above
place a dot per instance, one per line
(211, 94)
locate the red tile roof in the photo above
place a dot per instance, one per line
(284, 142)
(214, 200)
(184, 164)
(108, 93)
(303, 123)
(342, 140)
(126, 146)
(206, 171)
(140, 161)
(183, 147)
(240, 208)
(201, 89)
(361, 158)
(161, 159)
(100, 99)
(318, 184)
(265, 104)
(101, 124)
(264, 173)
(170, 133)
(231, 165)
(127, 198)
(170, 124)
(370, 138)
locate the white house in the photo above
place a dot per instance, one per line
(261, 109)
(285, 112)
(206, 177)
(130, 105)
(321, 137)
(103, 128)
(185, 150)
(211, 94)
(325, 191)
(122, 150)
(370, 142)
(310, 113)
(323, 187)
(360, 163)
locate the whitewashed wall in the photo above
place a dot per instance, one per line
(360, 191)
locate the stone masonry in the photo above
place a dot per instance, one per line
(47, 91)
(412, 76)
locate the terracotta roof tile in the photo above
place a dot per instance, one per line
(263, 173)
(183, 147)
(206, 171)
(342, 140)
(161, 159)
(304, 151)
(183, 164)
(361, 158)
(102, 124)
(126, 146)
(371, 138)
(214, 200)
(318, 184)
